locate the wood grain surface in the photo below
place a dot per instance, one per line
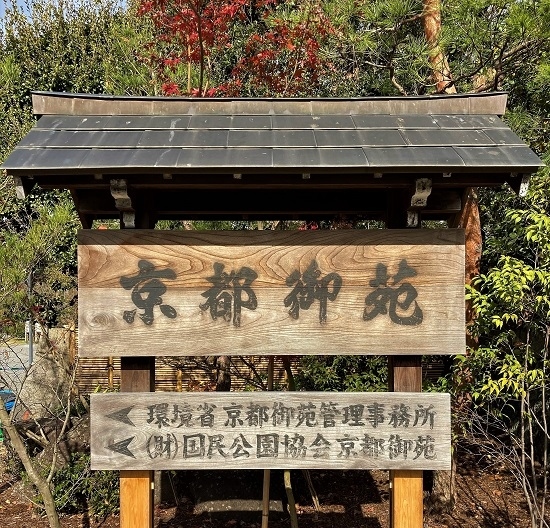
(149, 292)
(269, 430)
(136, 499)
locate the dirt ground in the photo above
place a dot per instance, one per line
(487, 496)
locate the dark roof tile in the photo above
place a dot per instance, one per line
(446, 138)
(513, 158)
(358, 138)
(432, 157)
(318, 158)
(225, 158)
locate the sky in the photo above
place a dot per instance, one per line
(4, 3)
(24, 4)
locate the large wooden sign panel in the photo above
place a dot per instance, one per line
(264, 292)
(265, 430)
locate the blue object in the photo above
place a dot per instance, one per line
(8, 397)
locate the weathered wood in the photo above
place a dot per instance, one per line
(265, 430)
(161, 292)
(76, 104)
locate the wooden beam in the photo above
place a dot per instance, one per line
(215, 180)
(87, 104)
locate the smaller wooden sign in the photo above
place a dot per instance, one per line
(270, 430)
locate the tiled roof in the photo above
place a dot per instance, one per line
(275, 142)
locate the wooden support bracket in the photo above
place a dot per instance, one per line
(419, 201)
(413, 218)
(423, 189)
(23, 186)
(123, 202)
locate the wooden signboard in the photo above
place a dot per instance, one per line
(263, 430)
(144, 293)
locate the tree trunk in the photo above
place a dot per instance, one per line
(289, 376)
(223, 377)
(431, 19)
(38, 480)
(469, 220)
(442, 497)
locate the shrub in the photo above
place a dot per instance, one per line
(77, 488)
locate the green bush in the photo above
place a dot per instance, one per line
(77, 488)
(343, 373)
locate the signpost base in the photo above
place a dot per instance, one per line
(136, 487)
(407, 494)
(407, 499)
(136, 499)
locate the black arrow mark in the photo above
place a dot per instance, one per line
(122, 416)
(122, 447)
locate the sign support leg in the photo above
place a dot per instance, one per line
(267, 472)
(406, 494)
(137, 374)
(136, 500)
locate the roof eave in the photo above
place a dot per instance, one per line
(60, 103)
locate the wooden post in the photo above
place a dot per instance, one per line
(136, 502)
(407, 498)
(137, 374)
(267, 472)
(404, 375)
